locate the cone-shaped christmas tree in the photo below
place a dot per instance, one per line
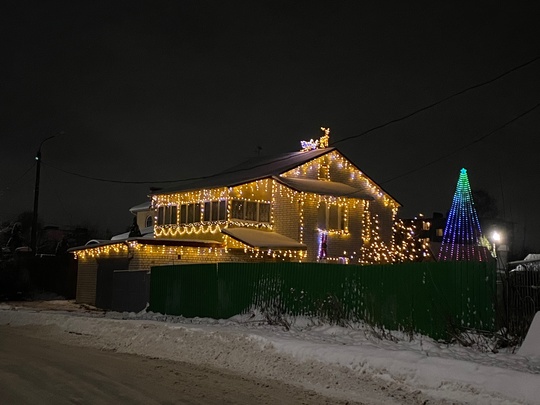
(462, 234)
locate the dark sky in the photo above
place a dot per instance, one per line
(164, 90)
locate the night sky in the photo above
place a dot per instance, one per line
(167, 90)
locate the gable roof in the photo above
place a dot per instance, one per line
(254, 169)
(262, 167)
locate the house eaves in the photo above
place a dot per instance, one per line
(329, 188)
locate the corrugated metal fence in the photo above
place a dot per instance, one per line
(420, 297)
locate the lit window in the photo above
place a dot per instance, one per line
(331, 217)
(250, 211)
(237, 209)
(167, 215)
(213, 211)
(190, 213)
(264, 212)
(439, 232)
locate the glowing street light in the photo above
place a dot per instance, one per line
(496, 237)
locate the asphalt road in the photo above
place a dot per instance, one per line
(37, 370)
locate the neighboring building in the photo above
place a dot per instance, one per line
(428, 233)
(312, 205)
(144, 217)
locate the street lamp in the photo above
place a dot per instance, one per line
(495, 237)
(33, 240)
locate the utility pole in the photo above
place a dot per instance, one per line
(33, 241)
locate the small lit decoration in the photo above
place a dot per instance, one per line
(323, 246)
(462, 235)
(320, 143)
(323, 140)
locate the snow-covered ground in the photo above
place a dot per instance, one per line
(334, 361)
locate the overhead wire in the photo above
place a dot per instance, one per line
(163, 181)
(18, 179)
(477, 140)
(427, 107)
(390, 122)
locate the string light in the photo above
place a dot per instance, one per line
(462, 237)
(367, 247)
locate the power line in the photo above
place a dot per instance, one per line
(338, 141)
(404, 117)
(108, 180)
(164, 181)
(18, 179)
(464, 146)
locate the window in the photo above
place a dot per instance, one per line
(214, 211)
(190, 213)
(331, 217)
(167, 215)
(237, 209)
(439, 232)
(250, 211)
(207, 211)
(183, 214)
(264, 212)
(149, 221)
(222, 210)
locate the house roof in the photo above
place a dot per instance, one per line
(140, 207)
(263, 239)
(146, 232)
(151, 241)
(325, 188)
(262, 167)
(251, 170)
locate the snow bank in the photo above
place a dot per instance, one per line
(338, 362)
(531, 345)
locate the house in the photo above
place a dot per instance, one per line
(313, 205)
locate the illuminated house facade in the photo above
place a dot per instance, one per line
(312, 205)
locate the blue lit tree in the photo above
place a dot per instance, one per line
(462, 235)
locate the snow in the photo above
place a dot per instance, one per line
(335, 361)
(263, 239)
(325, 188)
(531, 345)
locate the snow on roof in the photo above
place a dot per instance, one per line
(325, 188)
(530, 258)
(251, 170)
(146, 232)
(140, 207)
(121, 236)
(263, 239)
(146, 240)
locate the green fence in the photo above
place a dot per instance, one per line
(420, 297)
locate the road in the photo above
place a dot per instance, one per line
(45, 371)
